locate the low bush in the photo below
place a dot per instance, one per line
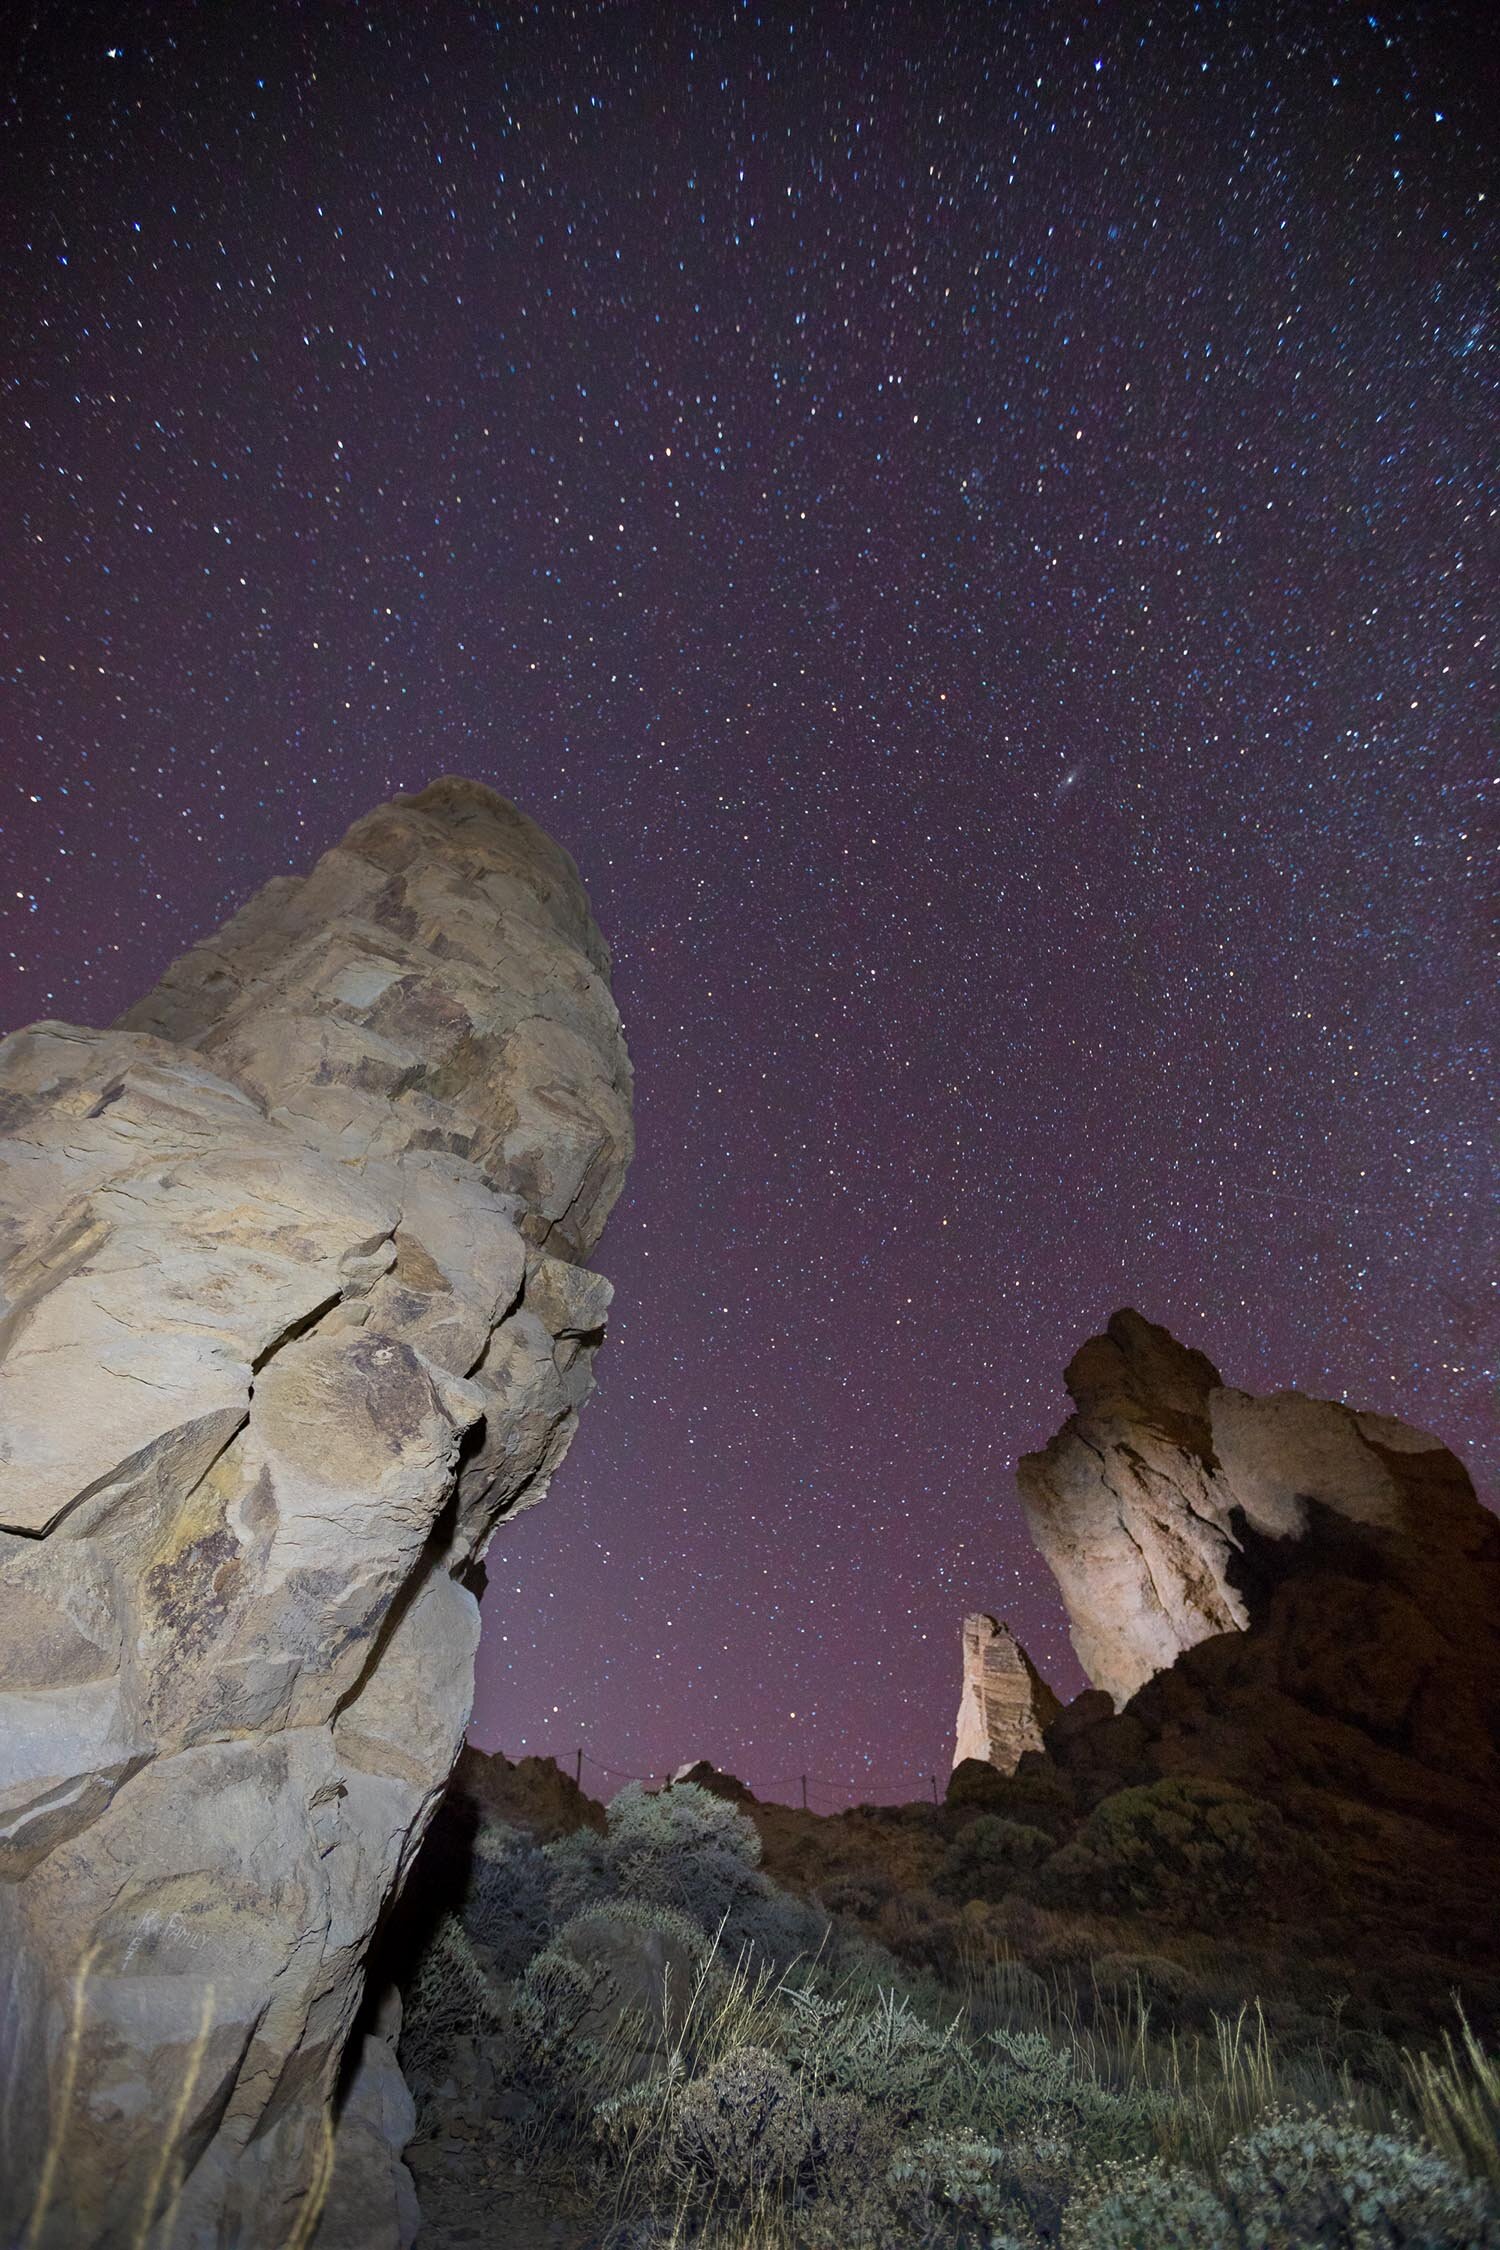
(508, 1908)
(986, 1858)
(695, 2059)
(744, 2124)
(1144, 2207)
(1194, 1851)
(949, 2176)
(685, 1848)
(1317, 2180)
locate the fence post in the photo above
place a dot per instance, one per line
(932, 1777)
(578, 1770)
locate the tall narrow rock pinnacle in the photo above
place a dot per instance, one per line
(1006, 1704)
(296, 1310)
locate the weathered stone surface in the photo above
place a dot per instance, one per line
(294, 1312)
(1124, 1508)
(1283, 1593)
(370, 2203)
(1167, 1497)
(1006, 1704)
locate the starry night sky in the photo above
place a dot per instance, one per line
(971, 526)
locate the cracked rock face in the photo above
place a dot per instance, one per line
(1170, 1504)
(295, 1309)
(1006, 1704)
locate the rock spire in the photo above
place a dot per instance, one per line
(1006, 1704)
(296, 1308)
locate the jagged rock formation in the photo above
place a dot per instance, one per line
(1325, 1589)
(295, 1309)
(1006, 1704)
(1167, 1495)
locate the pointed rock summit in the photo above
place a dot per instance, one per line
(1006, 1704)
(293, 1268)
(1170, 1505)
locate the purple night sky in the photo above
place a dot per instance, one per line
(970, 525)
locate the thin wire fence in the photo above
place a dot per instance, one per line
(860, 1790)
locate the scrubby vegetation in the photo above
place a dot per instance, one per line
(1195, 1850)
(640, 2035)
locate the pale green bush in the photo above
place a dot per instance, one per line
(552, 1999)
(1324, 2180)
(687, 1849)
(610, 1960)
(1144, 2207)
(954, 2176)
(683, 1847)
(1036, 2089)
(580, 1870)
(883, 2054)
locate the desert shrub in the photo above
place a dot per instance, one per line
(848, 2142)
(1038, 2170)
(1325, 2180)
(953, 2175)
(507, 1910)
(552, 2000)
(613, 1960)
(986, 1857)
(749, 2130)
(773, 1927)
(1035, 2090)
(579, 1872)
(1143, 2207)
(448, 1997)
(1040, 2074)
(882, 2054)
(1186, 1847)
(743, 2123)
(645, 1917)
(683, 1847)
